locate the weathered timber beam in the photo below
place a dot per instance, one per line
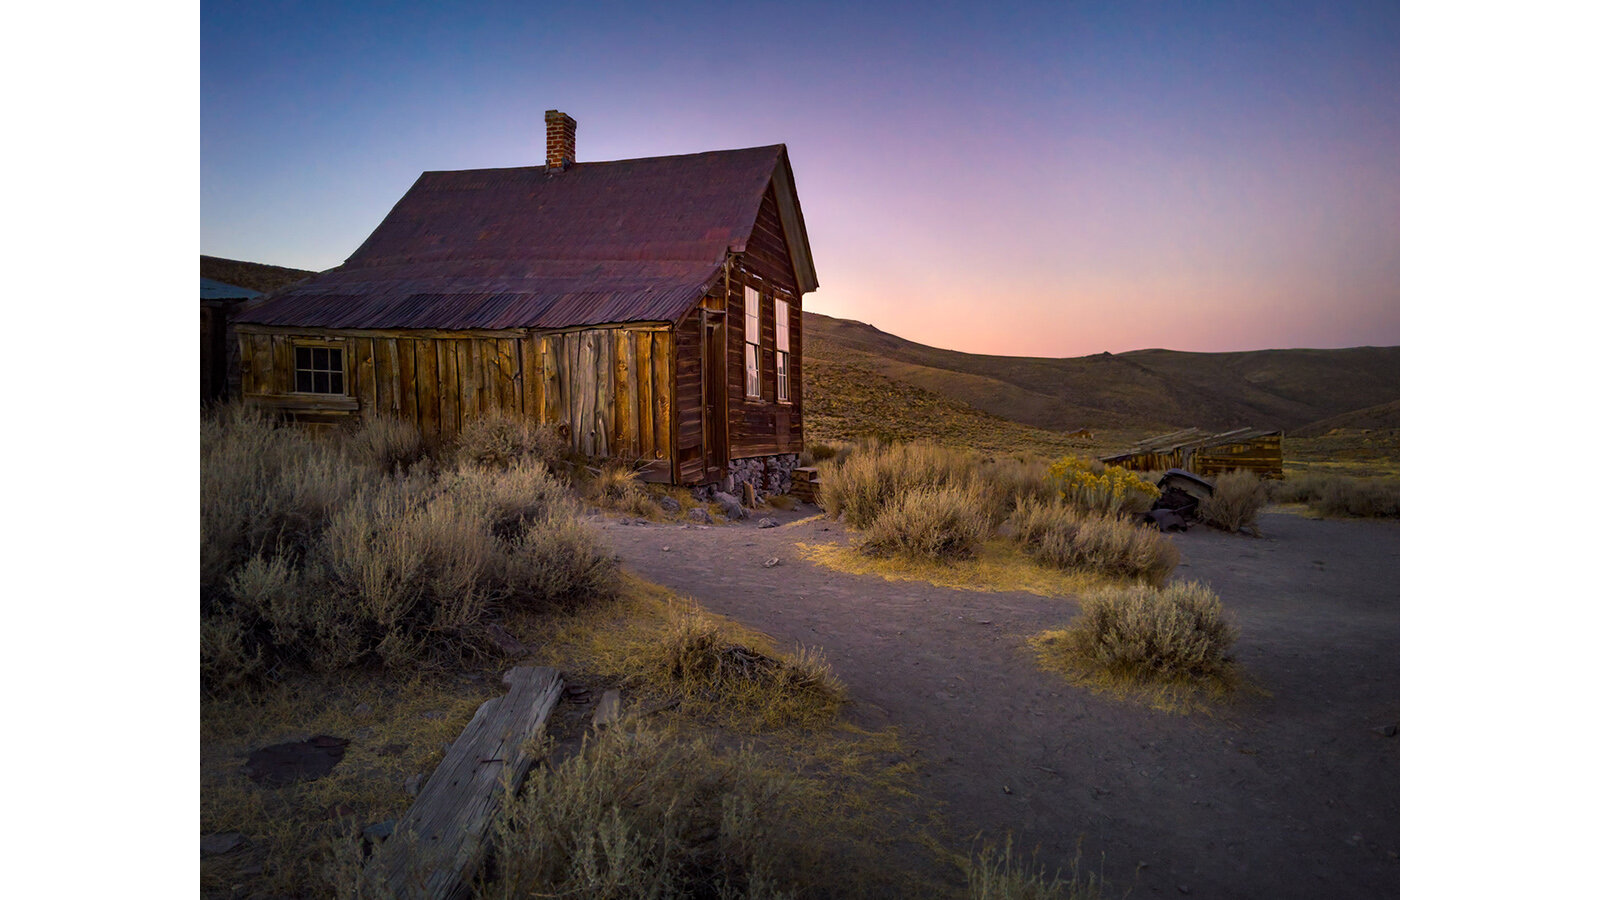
(439, 844)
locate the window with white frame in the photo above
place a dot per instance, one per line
(780, 320)
(752, 342)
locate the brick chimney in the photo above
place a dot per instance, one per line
(560, 140)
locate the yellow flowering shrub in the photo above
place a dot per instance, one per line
(1095, 487)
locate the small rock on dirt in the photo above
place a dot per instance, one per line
(218, 844)
(363, 709)
(772, 562)
(698, 514)
(1387, 730)
(378, 831)
(414, 784)
(666, 549)
(669, 504)
(767, 522)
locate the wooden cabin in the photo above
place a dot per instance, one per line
(648, 308)
(1258, 450)
(219, 351)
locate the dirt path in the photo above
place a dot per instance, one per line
(1291, 794)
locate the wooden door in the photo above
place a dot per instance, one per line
(714, 387)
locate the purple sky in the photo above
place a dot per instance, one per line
(1048, 179)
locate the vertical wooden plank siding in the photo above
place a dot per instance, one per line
(605, 392)
(469, 383)
(506, 360)
(366, 388)
(626, 432)
(427, 365)
(406, 377)
(282, 362)
(386, 379)
(643, 375)
(532, 378)
(661, 361)
(449, 389)
(554, 364)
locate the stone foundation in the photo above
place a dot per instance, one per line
(769, 474)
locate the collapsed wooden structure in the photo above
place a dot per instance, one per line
(1258, 450)
(603, 298)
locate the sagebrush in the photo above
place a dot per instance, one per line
(930, 523)
(1342, 495)
(1067, 537)
(640, 813)
(1235, 501)
(312, 559)
(1147, 635)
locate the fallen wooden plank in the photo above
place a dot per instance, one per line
(437, 847)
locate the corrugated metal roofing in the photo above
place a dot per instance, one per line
(212, 289)
(629, 241)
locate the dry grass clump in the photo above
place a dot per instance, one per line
(1175, 636)
(265, 490)
(703, 666)
(822, 451)
(997, 874)
(499, 440)
(1342, 495)
(1068, 538)
(641, 813)
(387, 444)
(1235, 501)
(616, 485)
(946, 523)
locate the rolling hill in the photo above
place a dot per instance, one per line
(1142, 390)
(863, 381)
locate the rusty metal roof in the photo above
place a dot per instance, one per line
(636, 240)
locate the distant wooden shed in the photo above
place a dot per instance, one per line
(1258, 450)
(219, 351)
(605, 298)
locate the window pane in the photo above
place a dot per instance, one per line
(752, 372)
(319, 358)
(302, 357)
(336, 360)
(780, 317)
(752, 316)
(336, 382)
(319, 382)
(302, 381)
(783, 375)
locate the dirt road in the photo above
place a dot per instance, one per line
(1291, 794)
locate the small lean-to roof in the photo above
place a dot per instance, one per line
(1191, 439)
(635, 240)
(212, 289)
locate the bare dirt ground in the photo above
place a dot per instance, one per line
(1285, 793)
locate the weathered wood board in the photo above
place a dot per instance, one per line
(438, 846)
